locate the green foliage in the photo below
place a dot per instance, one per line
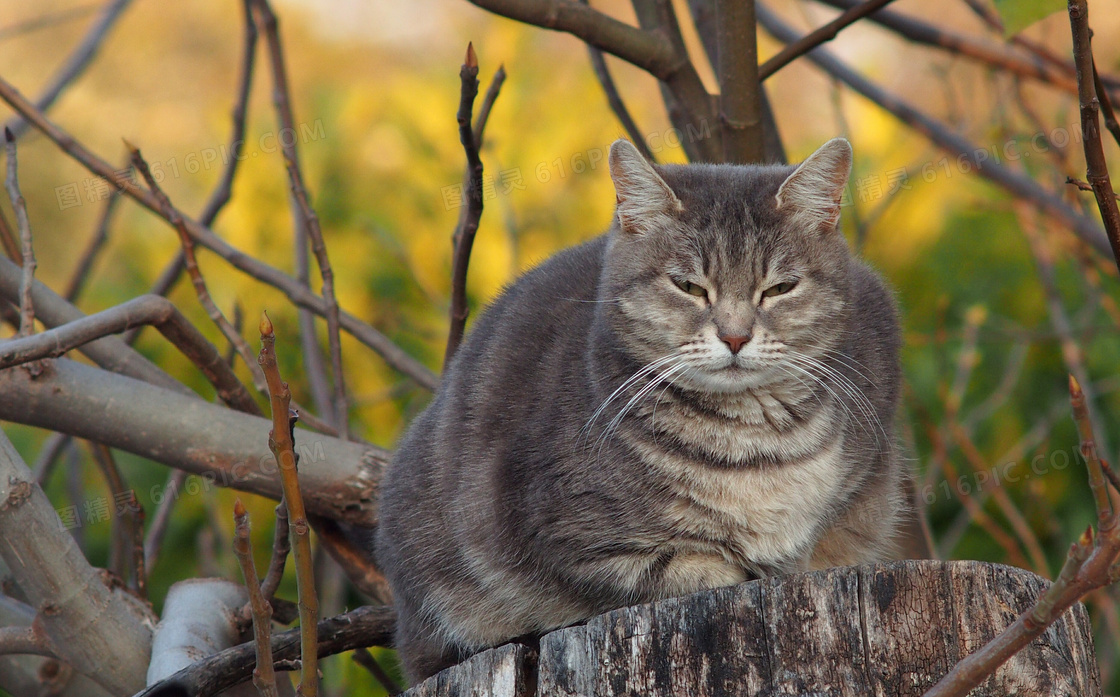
(1017, 15)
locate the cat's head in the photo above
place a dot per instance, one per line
(734, 270)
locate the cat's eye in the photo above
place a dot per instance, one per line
(780, 289)
(691, 288)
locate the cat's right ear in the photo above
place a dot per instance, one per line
(812, 194)
(644, 199)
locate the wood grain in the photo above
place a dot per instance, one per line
(884, 630)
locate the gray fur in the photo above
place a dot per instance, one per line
(562, 471)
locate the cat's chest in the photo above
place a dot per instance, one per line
(760, 518)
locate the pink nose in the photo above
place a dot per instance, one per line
(735, 342)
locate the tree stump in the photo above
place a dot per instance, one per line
(885, 629)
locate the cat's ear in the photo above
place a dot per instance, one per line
(812, 193)
(643, 196)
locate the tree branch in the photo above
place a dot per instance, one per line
(264, 677)
(463, 240)
(109, 352)
(281, 443)
(826, 32)
(1090, 125)
(147, 309)
(737, 40)
(222, 446)
(100, 631)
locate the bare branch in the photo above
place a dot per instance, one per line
(463, 240)
(220, 445)
(27, 253)
(292, 288)
(281, 546)
(691, 108)
(1090, 125)
(281, 443)
(264, 677)
(366, 660)
(1110, 121)
(614, 99)
(147, 309)
(352, 558)
(161, 519)
(826, 32)
(76, 64)
(647, 50)
(224, 189)
(736, 36)
(109, 352)
(25, 640)
(1089, 565)
(704, 17)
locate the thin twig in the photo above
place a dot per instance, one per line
(281, 546)
(264, 677)
(162, 518)
(281, 444)
(1084, 185)
(296, 292)
(1097, 166)
(463, 239)
(366, 660)
(122, 526)
(1073, 355)
(19, 205)
(818, 36)
(281, 95)
(76, 64)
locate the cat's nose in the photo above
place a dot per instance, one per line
(735, 342)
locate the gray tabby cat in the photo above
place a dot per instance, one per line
(702, 396)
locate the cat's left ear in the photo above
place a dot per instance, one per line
(812, 193)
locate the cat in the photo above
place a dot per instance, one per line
(701, 396)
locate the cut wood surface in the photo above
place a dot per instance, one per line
(887, 629)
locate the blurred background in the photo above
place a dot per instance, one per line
(997, 302)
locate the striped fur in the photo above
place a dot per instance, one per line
(595, 443)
